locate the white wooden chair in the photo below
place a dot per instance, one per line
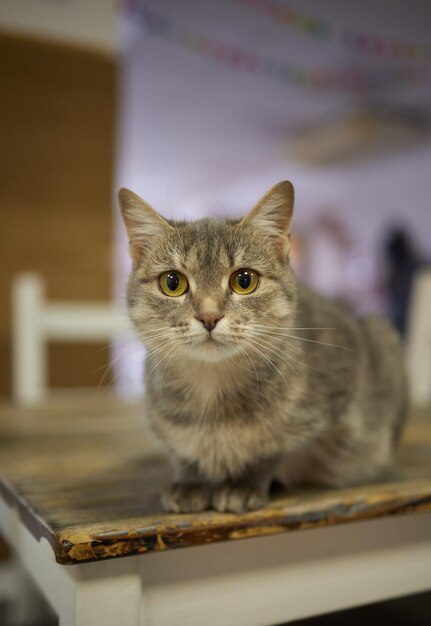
(37, 321)
(418, 348)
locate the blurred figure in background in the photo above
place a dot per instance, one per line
(402, 262)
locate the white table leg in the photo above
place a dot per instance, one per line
(28, 606)
(113, 601)
(95, 594)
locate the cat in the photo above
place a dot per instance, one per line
(251, 377)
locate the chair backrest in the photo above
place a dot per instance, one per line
(418, 347)
(37, 321)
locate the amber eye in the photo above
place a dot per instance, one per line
(173, 283)
(244, 281)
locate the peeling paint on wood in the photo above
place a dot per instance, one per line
(89, 481)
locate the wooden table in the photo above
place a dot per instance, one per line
(79, 490)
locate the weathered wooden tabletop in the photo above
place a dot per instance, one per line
(86, 475)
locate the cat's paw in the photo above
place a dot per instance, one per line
(186, 498)
(237, 499)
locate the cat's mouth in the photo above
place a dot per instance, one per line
(212, 348)
(211, 342)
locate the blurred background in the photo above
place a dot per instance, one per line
(199, 107)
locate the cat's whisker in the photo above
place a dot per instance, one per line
(107, 369)
(259, 333)
(160, 361)
(169, 362)
(270, 337)
(253, 347)
(149, 341)
(244, 351)
(114, 360)
(108, 346)
(322, 343)
(282, 327)
(289, 356)
(161, 347)
(160, 328)
(107, 366)
(103, 390)
(165, 333)
(156, 346)
(311, 367)
(158, 339)
(267, 345)
(153, 331)
(146, 337)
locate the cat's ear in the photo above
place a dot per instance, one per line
(142, 222)
(272, 216)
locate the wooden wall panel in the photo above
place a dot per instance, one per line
(56, 160)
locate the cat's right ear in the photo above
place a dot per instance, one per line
(142, 222)
(272, 216)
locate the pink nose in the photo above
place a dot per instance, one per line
(209, 320)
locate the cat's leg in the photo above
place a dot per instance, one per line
(248, 493)
(188, 493)
(345, 455)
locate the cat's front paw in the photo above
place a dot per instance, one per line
(186, 498)
(237, 499)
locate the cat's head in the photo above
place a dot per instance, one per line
(209, 288)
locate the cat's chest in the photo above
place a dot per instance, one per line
(218, 422)
(207, 396)
(220, 448)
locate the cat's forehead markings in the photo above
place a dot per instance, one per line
(224, 281)
(241, 258)
(192, 282)
(255, 260)
(191, 257)
(178, 259)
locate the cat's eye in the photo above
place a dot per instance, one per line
(173, 283)
(244, 281)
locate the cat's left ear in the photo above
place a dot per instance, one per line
(272, 216)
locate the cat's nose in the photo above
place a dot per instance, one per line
(209, 320)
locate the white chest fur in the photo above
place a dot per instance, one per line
(220, 449)
(219, 444)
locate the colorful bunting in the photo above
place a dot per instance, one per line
(350, 80)
(281, 13)
(374, 45)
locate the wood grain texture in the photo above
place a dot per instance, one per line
(86, 475)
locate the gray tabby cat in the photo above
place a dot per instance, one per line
(251, 377)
